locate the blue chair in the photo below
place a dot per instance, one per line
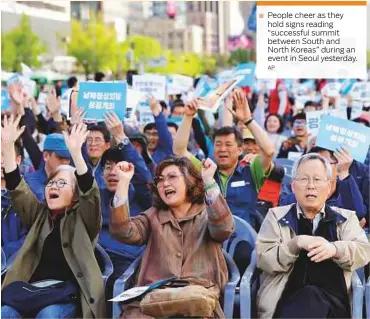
(3, 261)
(367, 298)
(243, 233)
(127, 281)
(105, 263)
(251, 281)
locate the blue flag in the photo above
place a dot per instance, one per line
(252, 20)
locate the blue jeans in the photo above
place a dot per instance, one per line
(67, 310)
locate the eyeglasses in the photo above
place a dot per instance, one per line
(171, 178)
(97, 140)
(60, 183)
(298, 123)
(109, 167)
(303, 181)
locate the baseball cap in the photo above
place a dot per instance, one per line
(247, 134)
(55, 143)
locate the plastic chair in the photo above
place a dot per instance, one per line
(367, 298)
(250, 283)
(105, 263)
(3, 261)
(357, 296)
(243, 233)
(127, 281)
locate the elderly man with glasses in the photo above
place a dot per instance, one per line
(344, 190)
(308, 251)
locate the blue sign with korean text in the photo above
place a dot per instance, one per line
(336, 132)
(5, 100)
(97, 98)
(247, 71)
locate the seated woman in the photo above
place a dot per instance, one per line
(183, 231)
(63, 230)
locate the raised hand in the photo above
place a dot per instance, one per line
(191, 108)
(124, 171)
(16, 91)
(208, 171)
(10, 131)
(76, 138)
(344, 162)
(52, 102)
(114, 126)
(155, 107)
(242, 111)
(78, 117)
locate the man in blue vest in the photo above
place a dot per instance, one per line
(239, 184)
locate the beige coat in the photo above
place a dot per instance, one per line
(80, 228)
(277, 250)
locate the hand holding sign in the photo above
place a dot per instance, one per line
(191, 108)
(114, 126)
(345, 160)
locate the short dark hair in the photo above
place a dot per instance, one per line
(149, 126)
(129, 75)
(72, 82)
(310, 103)
(99, 76)
(299, 116)
(178, 103)
(281, 128)
(174, 125)
(163, 104)
(227, 130)
(113, 154)
(102, 129)
(194, 182)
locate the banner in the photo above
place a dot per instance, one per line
(178, 84)
(205, 85)
(313, 120)
(133, 100)
(247, 71)
(361, 91)
(335, 133)
(331, 89)
(213, 99)
(150, 84)
(96, 98)
(145, 113)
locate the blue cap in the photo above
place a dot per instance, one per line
(55, 143)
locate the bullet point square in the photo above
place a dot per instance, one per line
(261, 15)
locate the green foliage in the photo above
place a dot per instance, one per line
(21, 45)
(368, 59)
(94, 46)
(240, 56)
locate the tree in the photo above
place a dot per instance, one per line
(239, 56)
(209, 65)
(94, 45)
(368, 59)
(21, 45)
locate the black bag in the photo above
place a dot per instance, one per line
(31, 298)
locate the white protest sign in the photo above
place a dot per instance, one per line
(178, 84)
(64, 101)
(294, 156)
(265, 84)
(313, 120)
(157, 62)
(331, 89)
(300, 101)
(42, 98)
(145, 113)
(356, 109)
(361, 91)
(29, 86)
(133, 99)
(150, 84)
(338, 113)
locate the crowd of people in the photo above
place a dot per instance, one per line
(168, 191)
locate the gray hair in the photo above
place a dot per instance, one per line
(312, 157)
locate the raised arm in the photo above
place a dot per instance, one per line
(243, 113)
(165, 141)
(220, 219)
(134, 231)
(23, 200)
(89, 198)
(180, 144)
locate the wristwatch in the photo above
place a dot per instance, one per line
(125, 141)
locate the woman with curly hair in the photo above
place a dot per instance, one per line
(183, 230)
